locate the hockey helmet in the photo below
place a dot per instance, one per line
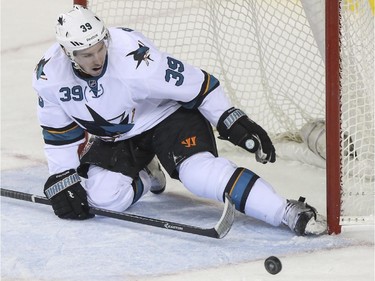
(79, 29)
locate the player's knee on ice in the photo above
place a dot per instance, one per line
(114, 191)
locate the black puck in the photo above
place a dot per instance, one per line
(272, 265)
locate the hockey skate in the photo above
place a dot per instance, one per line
(157, 176)
(303, 219)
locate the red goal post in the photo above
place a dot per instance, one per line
(333, 130)
(288, 64)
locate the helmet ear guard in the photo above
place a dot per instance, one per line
(79, 29)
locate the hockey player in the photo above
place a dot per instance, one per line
(137, 103)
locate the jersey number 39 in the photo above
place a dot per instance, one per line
(174, 71)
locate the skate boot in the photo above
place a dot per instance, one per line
(298, 215)
(158, 181)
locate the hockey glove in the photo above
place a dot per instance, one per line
(234, 125)
(68, 198)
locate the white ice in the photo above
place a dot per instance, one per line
(36, 245)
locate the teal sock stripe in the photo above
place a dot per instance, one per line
(239, 187)
(138, 189)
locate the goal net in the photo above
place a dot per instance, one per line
(271, 57)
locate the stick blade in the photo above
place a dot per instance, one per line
(227, 218)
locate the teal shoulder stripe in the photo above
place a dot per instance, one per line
(209, 84)
(56, 137)
(213, 83)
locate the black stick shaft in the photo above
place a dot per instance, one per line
(209, 232)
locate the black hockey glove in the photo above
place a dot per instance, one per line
(234, 125)
(68, 198)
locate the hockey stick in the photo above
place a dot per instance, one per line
(218, 231)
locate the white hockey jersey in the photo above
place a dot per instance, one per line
(138, 88)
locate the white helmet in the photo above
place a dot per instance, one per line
(79, 29)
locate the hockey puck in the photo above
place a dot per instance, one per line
(272, 265)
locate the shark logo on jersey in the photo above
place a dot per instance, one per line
(39, 69)
(94, 89)
(141, 54)
(104, 128)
